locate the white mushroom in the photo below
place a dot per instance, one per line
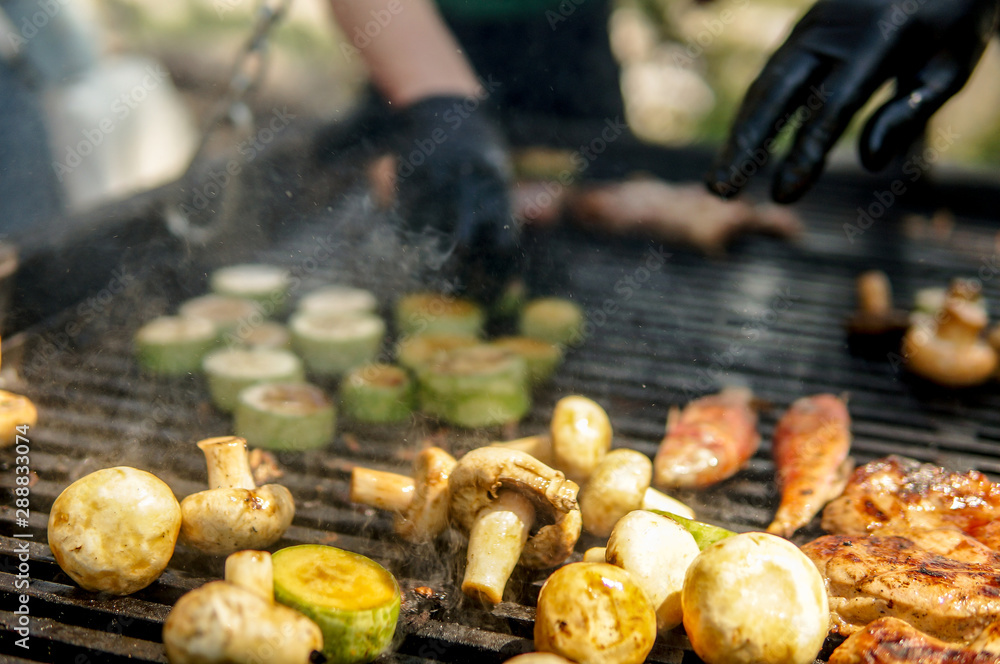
(619, 485)
(538, 658)
(420, 502)
(656, 551)
(114, 530)
(581, 436)
(236, 621)
(497, 497)
(234, 513)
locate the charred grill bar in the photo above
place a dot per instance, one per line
(668, 325)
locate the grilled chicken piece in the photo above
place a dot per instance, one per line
(893, 641)
(711, 439)
(810, 448)
(940, 581)
(903, 494)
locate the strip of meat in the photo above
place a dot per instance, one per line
(711, 439)
(893, 641)
(951, 597)
(904, 494)
(810, 449)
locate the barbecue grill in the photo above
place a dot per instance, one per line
(666, 325)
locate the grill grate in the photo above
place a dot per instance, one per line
(766, 315)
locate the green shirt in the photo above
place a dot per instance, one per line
(501, 8)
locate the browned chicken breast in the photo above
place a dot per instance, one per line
(904, 494)
(942, 582)
(893, 641)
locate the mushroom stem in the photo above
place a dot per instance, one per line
(387, 491)
(657, 500)
(596, 554)
(874, 292)
(495, 543)
(253, 571)
(539, 447)
(228, 463)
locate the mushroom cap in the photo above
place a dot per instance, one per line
(947, 362)
(615, 488)
(483, 473)
(581, 436)
(222, 622)
(114, 530)
(427, 516)
(222, 521)
(538, 658)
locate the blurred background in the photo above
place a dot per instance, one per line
(685, 66)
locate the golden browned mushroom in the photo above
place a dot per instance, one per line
(950, 351)
(234, 513)
(114, 530)
(875, 327)
(498, 496)
(538, 658)
(15, 411)
(236, 621)
(420, 502)
(581, 436)
(619, 485)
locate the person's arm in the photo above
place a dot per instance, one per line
(413, 55)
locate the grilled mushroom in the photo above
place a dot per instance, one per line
(234, 514)
(951, 352)
(581, 436)
(497, 497)
(619, 485)
(420, 502)
(236, 621)
(538, 658)
(876, 327)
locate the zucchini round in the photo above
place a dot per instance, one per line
(229, 371)
(354, 600)
(553, 319)
(285, 416)
(267, 285)
(434, 313)
(333, 344)
(541, 357)
(338, 300)
(416, 352)
(174, 345)
(377, 393)
(226, 312)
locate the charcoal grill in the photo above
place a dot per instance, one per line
(768, 315)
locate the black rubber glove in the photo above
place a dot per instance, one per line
(835, 59)
(453, 179)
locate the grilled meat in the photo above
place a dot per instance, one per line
(903, 494)
(810, 449)
(711, 439)
(940, 581)
(893, 641)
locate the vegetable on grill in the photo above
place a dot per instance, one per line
(420, 502)
(416, 352)
(554, 320)
(267, 285)
(229, 371)
(226, 312)
(285, 416)
(338, 301)
(174, 345)
(497, 497)
(581, 436)
(353, 599)
(114, 530)
(541, 357)
(236, 621)
(234, 513)
(377, 393)
(435, 313)
(332, 344)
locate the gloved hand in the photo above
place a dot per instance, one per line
(453, 178)
(835, 59)
(452, 183)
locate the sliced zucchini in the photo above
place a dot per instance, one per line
(229, 371)
(269, 334)
(341, 300)
(226, 312)
(541, 357)
(174, 344)
(434, 313)
(285, 416)
(377, 393)
(333, 344)
(553, 319)
(267, 285)
(15, 411)
(475, 387)
(416, 352)
(354, 600)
